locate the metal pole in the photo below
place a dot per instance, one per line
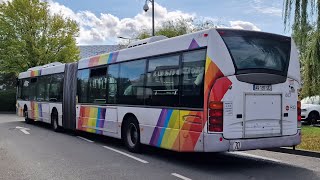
(153, 31)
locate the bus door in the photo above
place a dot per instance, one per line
(40, 105)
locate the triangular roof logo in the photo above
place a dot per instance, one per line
(194, 44)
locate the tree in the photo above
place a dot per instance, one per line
(31, 36)
(7, 81)
(173, 28)
(306, 33)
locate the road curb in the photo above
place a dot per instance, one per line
(300, 152)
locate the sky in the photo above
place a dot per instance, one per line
(102, 21)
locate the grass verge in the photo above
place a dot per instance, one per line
(310, 138)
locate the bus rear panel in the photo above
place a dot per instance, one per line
(253, 104)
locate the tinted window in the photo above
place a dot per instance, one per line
(25, 89)
(83, 85)
(19, 86)
(113, 80)
(131, 82)
(97, 86)
(56, 88)
(33, 89)
(43, 88)
(162, 86)
(257, 51)
(193, 64)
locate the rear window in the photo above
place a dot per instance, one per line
(254, 52)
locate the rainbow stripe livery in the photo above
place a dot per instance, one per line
(35, 73)
(103, 59)
(36, 112)
(166, 132)
(177, 130)
(92, 119)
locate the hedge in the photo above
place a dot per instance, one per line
(8, 100)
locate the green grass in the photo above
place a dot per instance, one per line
(310, 138)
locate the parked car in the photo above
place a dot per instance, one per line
(310, 109)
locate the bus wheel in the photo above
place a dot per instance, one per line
(132, 135)
(26, 117)
(54, 121)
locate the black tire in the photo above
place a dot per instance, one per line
(54, 122)
(26, 116)
(313, 118)
(131, 135)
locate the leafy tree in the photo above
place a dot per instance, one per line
(31, 36)
(177, 27)
(306, 33)
(7, 81)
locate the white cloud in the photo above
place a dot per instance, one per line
(267, 7)
(107, 27)
(244, 25)
(274, 11)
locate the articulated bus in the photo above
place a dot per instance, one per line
(211, 91)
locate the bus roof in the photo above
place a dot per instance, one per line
(165, 46)
(47, 69)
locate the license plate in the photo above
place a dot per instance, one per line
(262, 87)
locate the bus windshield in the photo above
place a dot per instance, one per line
(258, 52)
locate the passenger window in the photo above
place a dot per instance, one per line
(25, 89)
(43, 88)
(19, 87)
(33, 89)
(131, 82)
(56, 88)
(193, 65)
(162, 87)
(97, 86)
(83, 82)
(113, 78)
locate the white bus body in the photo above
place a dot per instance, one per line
(210, 91)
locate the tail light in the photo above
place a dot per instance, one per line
(216, 117)
(299, 113)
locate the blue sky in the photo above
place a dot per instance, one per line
(101, 15)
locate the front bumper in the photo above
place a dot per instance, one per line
(213, 143)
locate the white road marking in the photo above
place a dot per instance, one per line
(256, 156)
(18, 127)
(180, 176)
(128, 155)
(88, 140)
(24, 130)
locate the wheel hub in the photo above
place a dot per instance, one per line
(132, 135)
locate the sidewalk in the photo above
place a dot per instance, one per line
(301, 152)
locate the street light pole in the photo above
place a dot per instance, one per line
(146, 8)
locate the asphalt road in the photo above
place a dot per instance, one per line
(40, 153)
